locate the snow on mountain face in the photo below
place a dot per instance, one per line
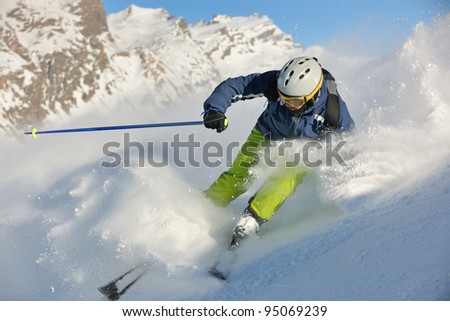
(149, 27)
(257, 42)
(57, 53)
(168, 62)
(59, 57)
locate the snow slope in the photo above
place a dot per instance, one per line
(377, 229)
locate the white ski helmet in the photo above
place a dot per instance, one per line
(300, 77)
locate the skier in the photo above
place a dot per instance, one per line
(302, 103)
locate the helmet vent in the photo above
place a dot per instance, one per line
(301, 76)
(287, 66)
(307, 70)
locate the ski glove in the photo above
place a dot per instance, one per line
(215, 119)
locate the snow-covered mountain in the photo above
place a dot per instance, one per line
(377, 229)
(58, 58)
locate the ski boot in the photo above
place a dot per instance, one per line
(248, 225)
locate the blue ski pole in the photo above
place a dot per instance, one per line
(35, 132)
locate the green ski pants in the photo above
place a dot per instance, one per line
(237, 180)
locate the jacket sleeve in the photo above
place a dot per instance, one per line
(240, 88)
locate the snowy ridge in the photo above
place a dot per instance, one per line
(225, 39)
(374, 230)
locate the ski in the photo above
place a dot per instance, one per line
(222, 267)
(117, 287)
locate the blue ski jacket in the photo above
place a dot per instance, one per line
(277, 121)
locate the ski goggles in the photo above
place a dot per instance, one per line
(297, 102)
(294, 102)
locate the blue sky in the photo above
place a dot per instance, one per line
(371, 26)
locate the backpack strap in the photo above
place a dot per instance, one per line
(333, 112)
